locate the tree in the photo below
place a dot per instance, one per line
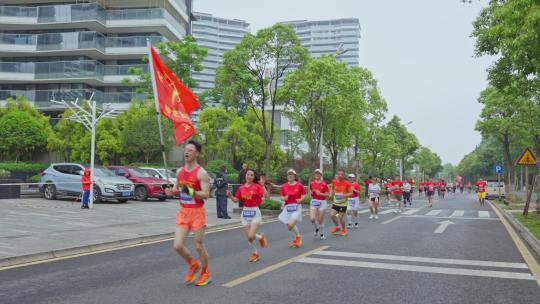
(21, 134)
(251, 75)
(186, 57)
(500, 119)
(407, 142)
(428, 162)
(139, 132)
(212, 125)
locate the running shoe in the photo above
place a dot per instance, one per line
(192, 271)
(356, 226)
(335, 230)
(376, 217)
(344, 232)
(254, 257)
(323, 237)
(204, 279)
(298, 241)
(349, 226)
(263, 242)
(371, 217)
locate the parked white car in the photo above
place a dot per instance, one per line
(161, 173)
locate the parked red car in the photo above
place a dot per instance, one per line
(145, 184)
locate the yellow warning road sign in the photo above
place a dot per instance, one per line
(527, 158)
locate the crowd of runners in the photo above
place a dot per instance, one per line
(342, 197)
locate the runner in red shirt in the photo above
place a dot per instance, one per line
(397, 193)
(481, 186)
(251, 195)
(387, 185)
(442, 185)
(413, 186)
(429, 187)
(469, 187)
(354, 202)
(292, 193)
(319, 193)
(420, 188)
(368, 182)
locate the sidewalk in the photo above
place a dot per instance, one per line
(34, 229)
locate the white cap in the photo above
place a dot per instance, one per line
(352, 175)
(318, 171)
(291, 171)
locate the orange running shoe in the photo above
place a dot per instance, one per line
(344, 232)
(298, 240)
(254, 257)
(192, 271)
(204, 279)
(335, 230)
(263, 242)
(293, 243)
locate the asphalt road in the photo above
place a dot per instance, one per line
(377, 263)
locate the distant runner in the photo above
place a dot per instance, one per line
(374, 191)
(292, 193)
(319, 194)
(481, 191)
(354, 202)
(341, 191)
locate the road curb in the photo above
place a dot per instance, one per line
(66, 252)
(521, 230)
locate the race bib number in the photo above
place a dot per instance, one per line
(248, 213)
(316, 203)
(352, 202)
(186, 199)
(339, 196)
(292, 208)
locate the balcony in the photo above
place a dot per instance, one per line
(91, 44)
(41, 99)
(93, 17)
(91, 72)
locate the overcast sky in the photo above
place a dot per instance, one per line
(420, 51)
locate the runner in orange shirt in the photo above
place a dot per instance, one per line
(341, 191)
(193, 188)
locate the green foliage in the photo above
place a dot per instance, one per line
(22, 166)
(428, 162)
(4, 173)
(217, 164)
(139, 133)
(35, 178)
(250, 75)
(21, 134)
(270, 204)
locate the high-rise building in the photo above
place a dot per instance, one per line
(339, 37)
(218, 35)
(52, 49)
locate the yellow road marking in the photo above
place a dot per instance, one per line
(72, 256)
(268, 269)
(525, 253)
(391, 220)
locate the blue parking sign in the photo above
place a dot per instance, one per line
(498, 169)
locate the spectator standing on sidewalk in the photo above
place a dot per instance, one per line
(86, 182)
(222, 184)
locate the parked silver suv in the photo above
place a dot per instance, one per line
(64, 179)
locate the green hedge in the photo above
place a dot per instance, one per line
(4, 173)
(271, 205)
(21, 166)
(215, 166)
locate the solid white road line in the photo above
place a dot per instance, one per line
(483, 214)
(433, 212)
(363, 211)
(457, 218)
(457, 213)
(423, 260)
(387, 211)
(416, 268)
(411, 211)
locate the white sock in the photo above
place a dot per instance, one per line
(252, 245)
(349, 218)
(296, 231)
(258, 236)
(321, 229)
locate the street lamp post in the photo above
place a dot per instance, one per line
(339, 51)
(89, 120)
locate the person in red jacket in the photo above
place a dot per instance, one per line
(86, 182)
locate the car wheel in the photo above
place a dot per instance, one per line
(122, 200)
(141, 194)
(97, 195)
(162, 199)
(49, 192)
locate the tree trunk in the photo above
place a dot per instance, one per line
(356, 158)
(268, 151)
(509, 182)
(537, 186)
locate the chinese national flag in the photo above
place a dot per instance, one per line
(176, 102)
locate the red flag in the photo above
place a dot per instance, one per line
(176, 102)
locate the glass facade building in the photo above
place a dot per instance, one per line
(73, 49)
(326, 36)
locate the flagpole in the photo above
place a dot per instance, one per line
(158, 114)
